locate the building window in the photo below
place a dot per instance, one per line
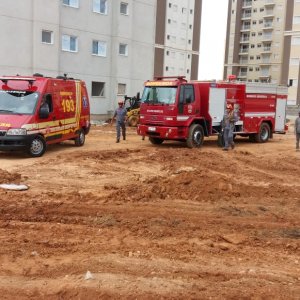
(121, 89)
(167, 68)
(295, 40)
(72, 3)
(296, 20)
(124, 8)
(190, 26)
(294, 61)
(167, 52)
(98, 89)
(123, 49)
(99, 48)
(100, 6)
(293, 82)
(69, 43)
(47, 37)
(191, 11)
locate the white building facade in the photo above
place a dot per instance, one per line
(107, 43)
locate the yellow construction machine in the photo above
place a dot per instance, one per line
(132, 104)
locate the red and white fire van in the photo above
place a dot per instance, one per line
(37, 111)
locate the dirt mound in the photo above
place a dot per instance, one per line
(7, 177)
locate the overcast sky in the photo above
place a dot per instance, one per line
(213, 35)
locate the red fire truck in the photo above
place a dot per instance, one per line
(174, 109)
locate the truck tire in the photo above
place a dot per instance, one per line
(80, 139)
(37, 147)
(133, 121)
(155, 141)
(196, 136)
(263, 134)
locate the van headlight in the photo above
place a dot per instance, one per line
(16, 131)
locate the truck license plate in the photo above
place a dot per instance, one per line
(152, 128)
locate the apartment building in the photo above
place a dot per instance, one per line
(177, 38)
(292, 53)
(255, 33)
(111, 44)
(261, 43)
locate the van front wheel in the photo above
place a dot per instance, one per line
(80, 139)
(37, 147)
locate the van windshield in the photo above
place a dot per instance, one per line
(18, 102)
(159, 95)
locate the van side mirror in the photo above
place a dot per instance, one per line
(44, 111)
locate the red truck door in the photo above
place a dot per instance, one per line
(186, 104)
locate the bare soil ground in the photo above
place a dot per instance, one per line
(152, 222)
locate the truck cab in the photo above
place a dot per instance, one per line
(168, 107)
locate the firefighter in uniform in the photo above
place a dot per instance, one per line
(120, 116)
(228, 127)
(297, 131)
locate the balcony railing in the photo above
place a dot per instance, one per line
(242, 74)
(246, 27)
(267, 37)
(246, 16)
(266, 49)
(244, 50)
(268, 24)
(247, 3)
(245, 39)
(269, 2)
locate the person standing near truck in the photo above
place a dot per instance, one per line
(120, 116)
(297, 131)
(228, 124)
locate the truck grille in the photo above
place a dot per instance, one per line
(2, 132)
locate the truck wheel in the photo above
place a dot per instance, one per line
(155, 141)
(264, 133)
(80, 139)
(37, 147)
(196, 136)
(133, 121)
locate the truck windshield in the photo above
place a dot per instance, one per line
(159, 95)
(18, 102)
